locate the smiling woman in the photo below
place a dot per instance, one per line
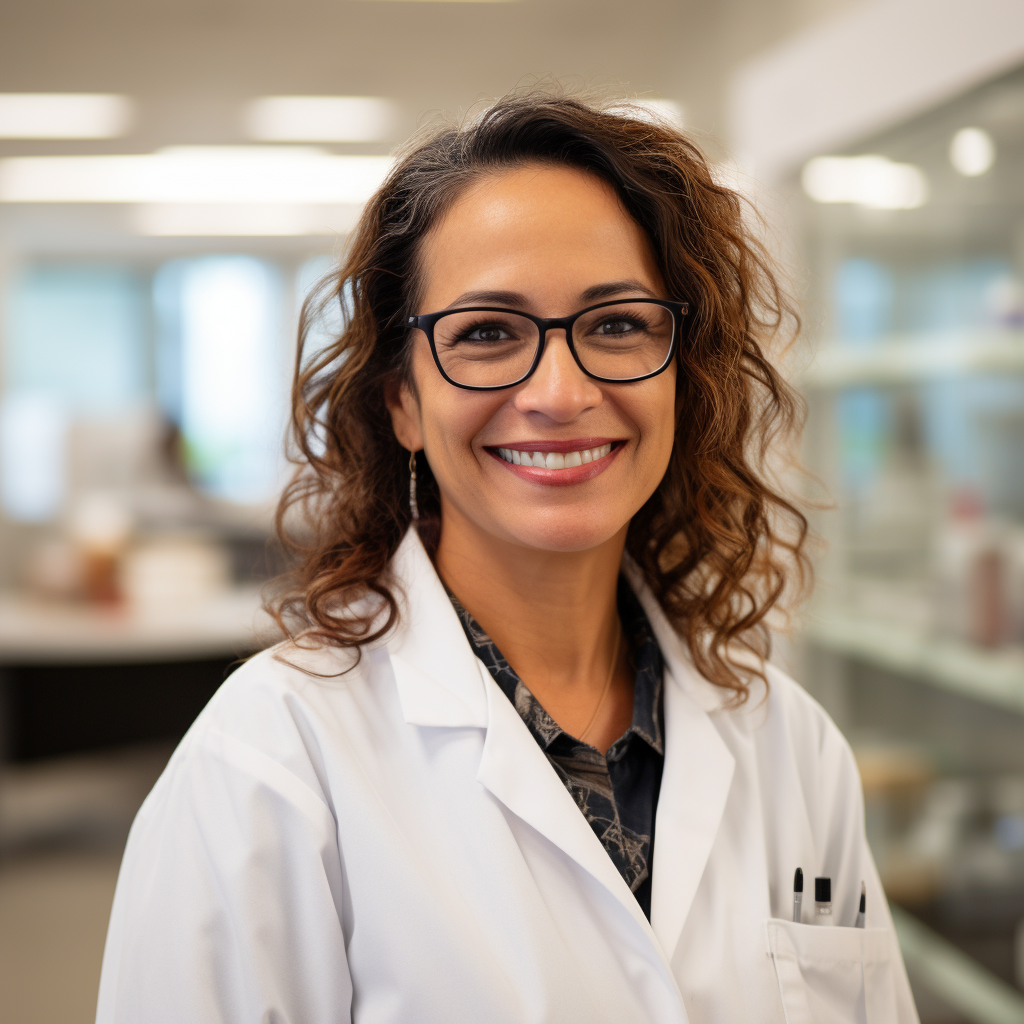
(543, 207)
(520, 759)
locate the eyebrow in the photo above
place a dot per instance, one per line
(595, 293)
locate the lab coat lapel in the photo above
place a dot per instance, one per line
(695, 780)
(441, 682)
(517, 772)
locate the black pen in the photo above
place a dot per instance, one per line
(798, 893)
(863, 906)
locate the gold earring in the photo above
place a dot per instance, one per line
(414, 509)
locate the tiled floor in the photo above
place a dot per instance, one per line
(62, 829)
(53, 919)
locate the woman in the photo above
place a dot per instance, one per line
(525, 759)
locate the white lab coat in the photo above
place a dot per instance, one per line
(391, 846)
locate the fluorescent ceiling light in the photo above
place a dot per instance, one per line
(320, 119)
(242, 219)
(872, 181)
(972, 151)
(55, 115)
(195, 174)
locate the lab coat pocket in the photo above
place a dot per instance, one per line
(833, 975)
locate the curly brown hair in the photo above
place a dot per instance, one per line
(718, 542)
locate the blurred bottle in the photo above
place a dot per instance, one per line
(892, 526)
(100, 525)
(972, 579)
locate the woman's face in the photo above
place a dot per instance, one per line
(549, 241)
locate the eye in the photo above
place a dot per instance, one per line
(618, 325)
(486, 333)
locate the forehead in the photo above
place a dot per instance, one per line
(539, 229)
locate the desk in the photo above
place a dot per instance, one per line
(78, 678)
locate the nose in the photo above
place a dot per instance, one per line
(558, 389)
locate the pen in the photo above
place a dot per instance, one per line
(863, 906)
(823, 901)
(798, 893)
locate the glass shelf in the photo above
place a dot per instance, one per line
(995, 676)
(912, 358)
(967, 987)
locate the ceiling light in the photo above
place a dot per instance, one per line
(872, 181)
(321, 119)
(195, 174)
(55, 115)
(972, 151)
(242, 219)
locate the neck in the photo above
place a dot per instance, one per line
(552, 614)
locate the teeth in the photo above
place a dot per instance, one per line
(554, 460)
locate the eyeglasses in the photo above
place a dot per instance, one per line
(486, 348)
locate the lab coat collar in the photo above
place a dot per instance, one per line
(695, 780)
(437, 673)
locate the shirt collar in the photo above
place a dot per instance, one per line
(646, 660)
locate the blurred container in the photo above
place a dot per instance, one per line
(165, 573)
(55, 569)
(100, 524)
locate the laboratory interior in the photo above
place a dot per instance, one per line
(174, 180)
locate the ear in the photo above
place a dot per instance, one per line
(404, 409)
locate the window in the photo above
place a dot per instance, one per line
(76, 344)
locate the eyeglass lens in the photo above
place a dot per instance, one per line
(620, 342)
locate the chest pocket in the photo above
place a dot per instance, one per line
(833, 975)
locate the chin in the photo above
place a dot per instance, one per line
(565, 533)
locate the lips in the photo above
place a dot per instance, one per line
(558, 462)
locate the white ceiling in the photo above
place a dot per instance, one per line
(192, 65)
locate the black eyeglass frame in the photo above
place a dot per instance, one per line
(426, 321)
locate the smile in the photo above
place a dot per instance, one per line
(554, 460)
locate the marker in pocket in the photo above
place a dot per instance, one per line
(823, 901)
(798, 893)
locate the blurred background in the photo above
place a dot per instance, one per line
(174, 178)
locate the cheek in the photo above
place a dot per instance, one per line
(655, 414)
(452, 419)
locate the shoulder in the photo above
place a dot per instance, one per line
(800, 715)
(798, 749)
(277, 722)
(281, 684)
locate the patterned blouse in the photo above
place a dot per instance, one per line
(618, 791)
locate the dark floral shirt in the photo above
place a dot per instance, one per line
(618, 791)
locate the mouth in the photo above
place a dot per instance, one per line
(558, 462)
(555, 459)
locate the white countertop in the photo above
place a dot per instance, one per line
(39, 632)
